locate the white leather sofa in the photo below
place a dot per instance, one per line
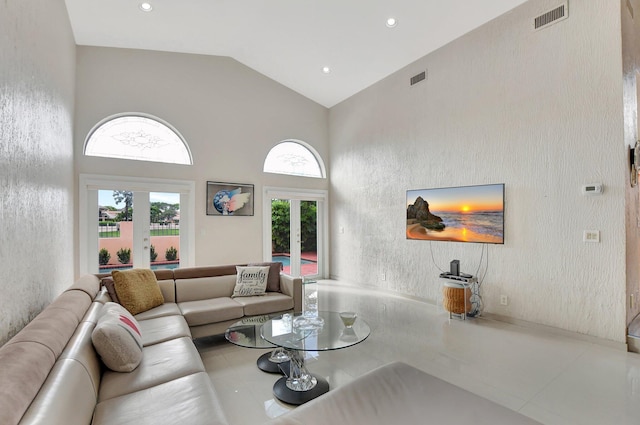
(203, 296)
(51, 374)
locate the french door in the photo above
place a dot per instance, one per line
(141, 223)
(296, 231)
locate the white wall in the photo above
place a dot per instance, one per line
(538, 111)
(37, 69)
(230, 115)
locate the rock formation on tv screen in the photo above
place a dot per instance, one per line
(420, 212)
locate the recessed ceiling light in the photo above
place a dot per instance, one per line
(391, 22)
(146, 7)
(326, 70)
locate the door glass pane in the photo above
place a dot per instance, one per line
(308, 238)
(306, 249)
(281, 232)
(115, 230)
(164, 232)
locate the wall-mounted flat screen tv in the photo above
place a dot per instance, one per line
(459, 214)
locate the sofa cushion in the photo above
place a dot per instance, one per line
(117, 339)
(271, 302)
(273, 280)
(137, 289)
(188, 400)
(204, 271)
(53, 328)
(166, 309)
(162, 329)
(202, 288)
(67, 397)
(25, 366)
(160, 363)
(88, 283)
(72, 384)
(210, 311)
(168, 289)
(250, 281)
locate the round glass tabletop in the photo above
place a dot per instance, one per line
(319, 331)
(246, 332)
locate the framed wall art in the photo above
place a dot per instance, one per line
(229, 199)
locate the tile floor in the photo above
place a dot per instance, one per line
(552, 376)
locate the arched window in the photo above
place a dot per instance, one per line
(139, 137)
(294, 158)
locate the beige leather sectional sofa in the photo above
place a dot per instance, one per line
(51, 374)
(203, 296)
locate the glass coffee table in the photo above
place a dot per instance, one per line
(312, 331)
(246, 333)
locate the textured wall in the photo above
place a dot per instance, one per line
(230, 115)
(538, 111)
(37, 67)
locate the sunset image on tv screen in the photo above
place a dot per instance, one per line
(459, 214)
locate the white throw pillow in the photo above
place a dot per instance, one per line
(117, 338)
(250, 281)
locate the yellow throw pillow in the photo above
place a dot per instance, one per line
(137, 289)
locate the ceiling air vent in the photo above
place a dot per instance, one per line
(419, 77)
(558, 14)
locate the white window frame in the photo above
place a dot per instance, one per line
(89, 184)
(160, 121)
(322, 199)
(312, 151)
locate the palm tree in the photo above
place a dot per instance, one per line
(127, 197)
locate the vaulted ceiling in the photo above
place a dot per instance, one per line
(290, 41)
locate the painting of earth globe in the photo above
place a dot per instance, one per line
(229, 199)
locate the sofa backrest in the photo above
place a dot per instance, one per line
(70, 393)
(199, 283)
(202, 288)
(204, 271)
(29, 358)
(195, 283)
(167, 284)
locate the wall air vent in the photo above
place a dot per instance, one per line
(419, 77)
(556, 15)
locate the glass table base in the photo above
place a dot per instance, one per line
(287, 395)
(265, 364)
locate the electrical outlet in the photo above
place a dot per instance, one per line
(383, 276)
(504, 300)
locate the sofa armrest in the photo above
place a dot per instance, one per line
(400, 394)
(292, 286)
